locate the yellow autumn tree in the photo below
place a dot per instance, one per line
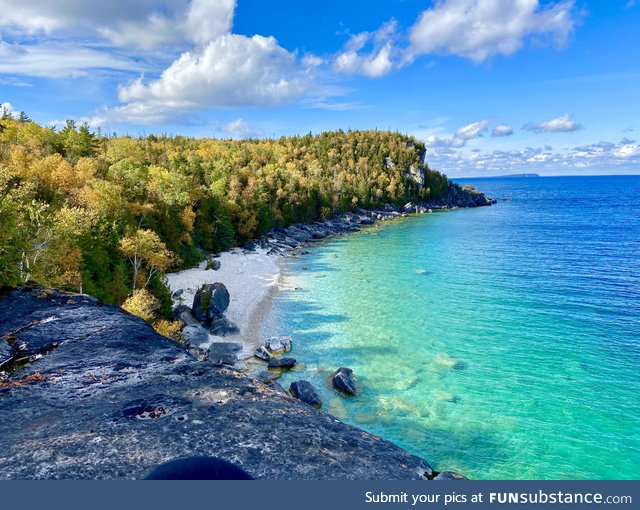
(146, 251)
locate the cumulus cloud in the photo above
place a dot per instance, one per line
(368, 53)
(462, 135)
(479, 29)
(239, 128)
(8, 109)
(221, 69)
(563, 124)
(232, 70)
(502, 130)
(471, 29)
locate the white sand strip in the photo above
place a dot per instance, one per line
(251, 279)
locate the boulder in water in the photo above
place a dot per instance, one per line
(305, 391)
(344, 380)
(280, 343)
(282, 363)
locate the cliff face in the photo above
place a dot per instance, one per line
(92, 392)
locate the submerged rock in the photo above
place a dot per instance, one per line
(344, 380)
(305, 391)
(282, 363)
(211, 301)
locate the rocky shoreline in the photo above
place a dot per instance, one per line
(281, 241)
(92, 392)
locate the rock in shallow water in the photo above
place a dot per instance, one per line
(304, 391)
(344, 380)
(276, 344)
(282, 363)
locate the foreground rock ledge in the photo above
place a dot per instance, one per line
(110, 398)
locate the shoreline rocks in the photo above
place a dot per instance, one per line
(280, 241)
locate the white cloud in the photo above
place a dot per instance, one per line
(472, 29)
(241, 129)
(58, 60)
(8, 109)
(479, 29)
(462, 135)
(377, 58)
(121, 21)
(502, 130)
(472, 130)
(563, 124)
(70, 37)
(209, 19)
(221, 69)
(593, 158)
(232, 70)
(628, 151)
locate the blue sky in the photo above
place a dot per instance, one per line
(492, 86)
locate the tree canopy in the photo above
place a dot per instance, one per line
(107, 215)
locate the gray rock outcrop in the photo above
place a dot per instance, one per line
(99, 394)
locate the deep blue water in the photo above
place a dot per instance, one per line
(503, 342)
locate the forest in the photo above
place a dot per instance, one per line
(110, 215)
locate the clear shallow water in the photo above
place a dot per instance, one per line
(502, 342)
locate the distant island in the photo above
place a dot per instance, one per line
(513, 176)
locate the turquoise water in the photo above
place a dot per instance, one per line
(501, 342)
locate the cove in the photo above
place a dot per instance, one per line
(499, 342)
